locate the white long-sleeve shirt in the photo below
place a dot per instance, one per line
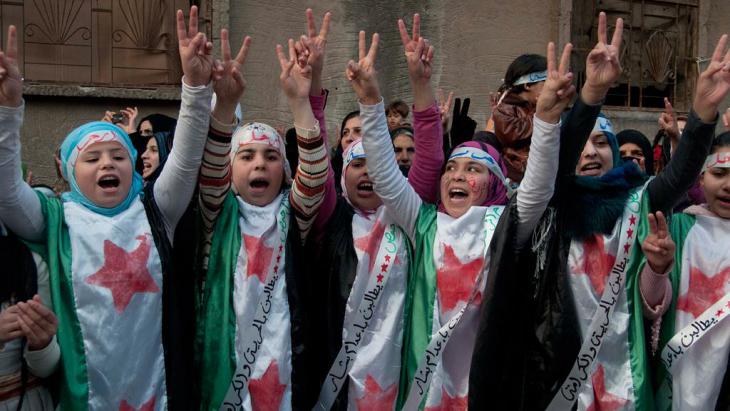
(20, 208)
(532, 197)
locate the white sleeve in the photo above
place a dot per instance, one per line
(20, 208)
(43, 362)
(538, 185)
(176, 184)
(391, 186)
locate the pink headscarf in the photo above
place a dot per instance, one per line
(497, 194)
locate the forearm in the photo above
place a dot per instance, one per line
(538, 185)
(423, 96)
(176, 184)
(575, 129)
(685, 165)
(402, 201)
(426, 169)
(656, 292)
(43, 362)
(20, 207)
(327, 207)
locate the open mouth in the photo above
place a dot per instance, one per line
(725, 201)
(365, 186)
(458, 194)
(591, 169)
(259, 184)
(108, 182)
(146, 165)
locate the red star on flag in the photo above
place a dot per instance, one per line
(380, 278)
(387, 258)
(456, 280)
(148, 406)
(719, 313)
(375, 398)
(266, 392)
(632, 220)
(449, 403)
(370, 243)
(630, 232)
(602, 399)
(125, 274)
(597, 263)
(703, 291)
(258, 257)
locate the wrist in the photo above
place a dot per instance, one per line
(706, 114)
(548, 117)
(370, 100)
(593, 94)
(191, 81)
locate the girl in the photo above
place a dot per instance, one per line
(107, 243)
(365, 258)
(694, 341)
(251, 322)
(578, 338)
(452, 241)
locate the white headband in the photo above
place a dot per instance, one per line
(260, 133)
(717, 160)
(482, 157)
(100, 136)
(531, 78)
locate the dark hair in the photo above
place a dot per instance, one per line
(524, 64)
(398, 106)
(404, 130)
(638, 138)
(349, 115)
(720, 141)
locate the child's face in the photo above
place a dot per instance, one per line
(104, 173)
(716, 184)
(395, 120)
(257, 173)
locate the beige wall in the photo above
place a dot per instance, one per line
(475, 41)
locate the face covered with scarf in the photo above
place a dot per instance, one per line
(356, 185)
(97, 160)
(600, 154)
(474, 176)
(259, 166)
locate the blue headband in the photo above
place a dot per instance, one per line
(76, 142)
(531, 78)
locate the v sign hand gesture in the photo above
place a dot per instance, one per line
(362, 75)
(296, 80)
(229, 82)
(713, 84)
(418, 52)
(11, 83)
(195, 50)
(314, 46)
(558, 89)
(658, 245)
(603, 67)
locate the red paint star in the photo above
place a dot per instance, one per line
(387, 258)
(703, 291)
(258, 257)
(148, 406)
(370, 243)
(449, 403)
(380, 278)
(125, 274)
(630, 232)
(597, 263)
(384, 267)
(632, 220)
(375, 398)
(602, 399)
(266, 392)
(719, 313)
(455, 280)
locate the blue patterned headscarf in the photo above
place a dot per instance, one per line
(80, 139)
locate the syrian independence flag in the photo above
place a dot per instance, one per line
(695, 335)
(610, 318)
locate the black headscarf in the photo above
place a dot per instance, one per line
(160, 123)
(164, 147)
(638, 138)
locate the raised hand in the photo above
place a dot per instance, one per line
(668, 120)
(462, 126)
(362, 75)
(296, 81)
(445, 108)
(419, 52)
(658, 245)
(38, 323)
(11, 83)
(313, 47)
(9, 327)
(713, 84)
(195, 50)
(558, 89)
(603, 67)
(129, 124)
(229, 83)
